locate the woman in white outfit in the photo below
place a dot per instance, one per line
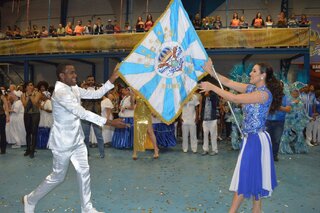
(106, 111)
(16, 133)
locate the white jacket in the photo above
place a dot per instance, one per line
(66, 132)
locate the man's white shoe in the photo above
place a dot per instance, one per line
(93, 210)
(309, 143)
(27, 207)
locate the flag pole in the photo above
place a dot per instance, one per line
(229, 104)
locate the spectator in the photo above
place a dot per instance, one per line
(44, 32)
(243, 24)
(88, 29)
(28, 33)
(258, 22)
(269, 22)
(98, 27)
(292, 22)
(149, 23)
(116, 27)
(127, 27)
(79, 29)
(235, 22)
(197, 22)
(52, 31)
(304, 22)
(139, 25)
(68, 29)
(109, 29)
(206, 24)
(17, 32)
(60, 30)
(217, 24)
(9, 32)
(36, 32)
(282, 20)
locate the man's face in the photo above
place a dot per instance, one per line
(90, 81)
(69, 77)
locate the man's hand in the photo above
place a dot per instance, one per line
(117, 123)
(115, 74)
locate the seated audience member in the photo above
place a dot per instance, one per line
(79, 29)
(44, 32)
(88, 29)
(304, 22)
(68, 29)
(269, 22)
(292, 22)
(149, 23)
(139, 25)
(282, 20)
(116, 27)
(235, 22)
(206, 24)
(109, 29)
(98, 27)
(258, 22)
(52, 31)
(243, 24)
(36, 32)
(127, 27)
(17, 32)
(197, 22)
(28, 33)
(9, 33)
(60, 30)
(217, 24)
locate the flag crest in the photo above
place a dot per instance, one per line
(165, 66)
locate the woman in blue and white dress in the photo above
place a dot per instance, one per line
(123, 137)
(254, 175)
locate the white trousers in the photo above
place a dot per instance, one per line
(309, 130)
(210, 127)
(79, 159)
(192, 129)
(316, 130)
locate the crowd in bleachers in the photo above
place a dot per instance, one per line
(112, 26)
(214, 22)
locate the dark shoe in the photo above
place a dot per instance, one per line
(27, 152)
(2, 153)
(204, 153)
(276, 158)
(31, 155)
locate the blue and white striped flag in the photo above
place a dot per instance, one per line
(165, 66)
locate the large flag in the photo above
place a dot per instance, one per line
(165, 66)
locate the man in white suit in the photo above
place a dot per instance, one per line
(67, 139)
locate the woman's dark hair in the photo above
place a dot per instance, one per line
(44, 84)
(273, 85)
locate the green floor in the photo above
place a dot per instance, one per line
(176, 182)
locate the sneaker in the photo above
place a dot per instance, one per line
(204, 153)
(15, 146)
(28, 208)
(194, 152)
(219, 138)
(93, 210)
(213, 153)
(185, 151)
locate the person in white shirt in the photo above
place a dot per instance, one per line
(66, 139)
(46, 120)
(16, 133)
(106, 111)
(189, 118)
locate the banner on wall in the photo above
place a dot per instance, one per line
(166, 65)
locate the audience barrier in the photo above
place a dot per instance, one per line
(225, 38)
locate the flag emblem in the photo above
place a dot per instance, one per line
(165, 66)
